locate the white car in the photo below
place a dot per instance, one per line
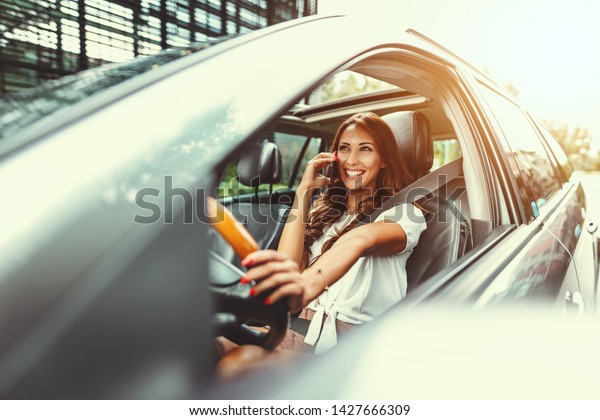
(106, 259)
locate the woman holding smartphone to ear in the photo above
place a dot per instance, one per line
(339, 273)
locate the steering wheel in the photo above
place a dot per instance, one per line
(236, 310)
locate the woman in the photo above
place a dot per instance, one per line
(340, 273)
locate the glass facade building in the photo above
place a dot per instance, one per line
(46, 39)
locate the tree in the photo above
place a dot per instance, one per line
(576, 142)
(347, 83)
(512, 89)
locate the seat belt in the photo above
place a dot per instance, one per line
(422, 187)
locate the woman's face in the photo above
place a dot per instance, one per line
(359, 160)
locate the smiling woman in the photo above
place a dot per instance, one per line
(360, 161)
(338, 272)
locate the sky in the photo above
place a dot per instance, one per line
(547, 49)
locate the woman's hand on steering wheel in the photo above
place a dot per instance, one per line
(275, 271)
(312, 178)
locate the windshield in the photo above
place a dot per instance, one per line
(24, 108)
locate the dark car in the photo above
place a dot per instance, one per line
(107, 260)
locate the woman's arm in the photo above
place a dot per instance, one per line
(292, 237)
(380, 238)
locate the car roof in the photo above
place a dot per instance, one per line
(336, 34)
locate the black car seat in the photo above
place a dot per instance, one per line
(259, 164)
(447, 235)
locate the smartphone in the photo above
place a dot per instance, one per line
(331, 172)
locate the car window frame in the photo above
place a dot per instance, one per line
(544, 132)
(520, 186)
(509, 209)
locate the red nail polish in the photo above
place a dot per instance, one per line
(252, 291)
(247, 261)
(244, 280)
(267, 301)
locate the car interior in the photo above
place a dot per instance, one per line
(430, 133)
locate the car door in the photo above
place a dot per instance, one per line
(94, 302)
(534, 262)
(582, 241)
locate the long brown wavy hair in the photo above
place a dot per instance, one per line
(330, 206)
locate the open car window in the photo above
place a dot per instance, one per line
(295, 149)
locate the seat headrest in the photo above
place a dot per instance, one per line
(413, 135)
(260, 164)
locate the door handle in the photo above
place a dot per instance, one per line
(574, 303)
